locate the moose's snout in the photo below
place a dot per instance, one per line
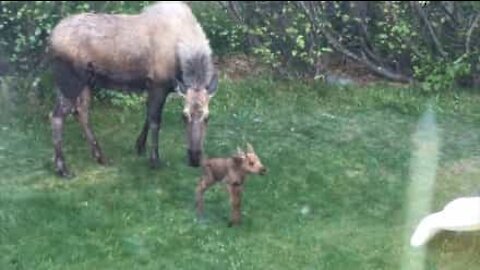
(194, 157)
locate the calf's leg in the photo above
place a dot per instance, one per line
(206, 181)
(235, 192)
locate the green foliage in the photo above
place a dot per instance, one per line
(121, 99)
(291, 39)
(224, 34)
(284, 37)
(442, 75)
(24, 29)
(425, 40)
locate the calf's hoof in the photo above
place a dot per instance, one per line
(201, 219)
(233, 224)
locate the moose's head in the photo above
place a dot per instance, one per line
(196, 114)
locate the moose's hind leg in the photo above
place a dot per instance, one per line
(71, 84)
(82, 115)
(63, 107)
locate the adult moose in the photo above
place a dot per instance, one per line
(160, 50)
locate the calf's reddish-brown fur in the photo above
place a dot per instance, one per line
(233, 172)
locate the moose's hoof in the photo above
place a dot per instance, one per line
(140, 148)
(65, 174)
(61, 169)
(194, 158)
(102, 160)
(155, 163)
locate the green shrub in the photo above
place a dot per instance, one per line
(436, 43)
(225, 35)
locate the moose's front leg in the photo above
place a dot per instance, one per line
(235, 191)
(156, 101)
(142, 138)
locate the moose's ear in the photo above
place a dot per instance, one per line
(180, 88)
(212, 86)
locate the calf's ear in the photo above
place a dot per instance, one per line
(239, 157)
(250, 148)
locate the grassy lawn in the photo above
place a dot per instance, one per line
(336, 196)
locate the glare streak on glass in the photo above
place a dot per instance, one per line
(423, 168)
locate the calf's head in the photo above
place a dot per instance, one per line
(249, 161)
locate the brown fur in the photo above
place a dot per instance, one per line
(160, 50)
(122, 47)
(233, 172)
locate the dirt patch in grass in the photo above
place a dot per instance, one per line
(238, 66)
(470, 165)
(457, 179)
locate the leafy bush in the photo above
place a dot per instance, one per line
(436, 43)
(120, 99)
(442, 75)
(225, 35)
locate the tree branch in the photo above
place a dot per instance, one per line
(434, 37)
(370, 53)
(469, 33)
(448, 12)
(378, 69)
(233, 8)
(223, 4)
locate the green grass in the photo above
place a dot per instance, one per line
(335, 196)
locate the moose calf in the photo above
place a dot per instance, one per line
(232, 171)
